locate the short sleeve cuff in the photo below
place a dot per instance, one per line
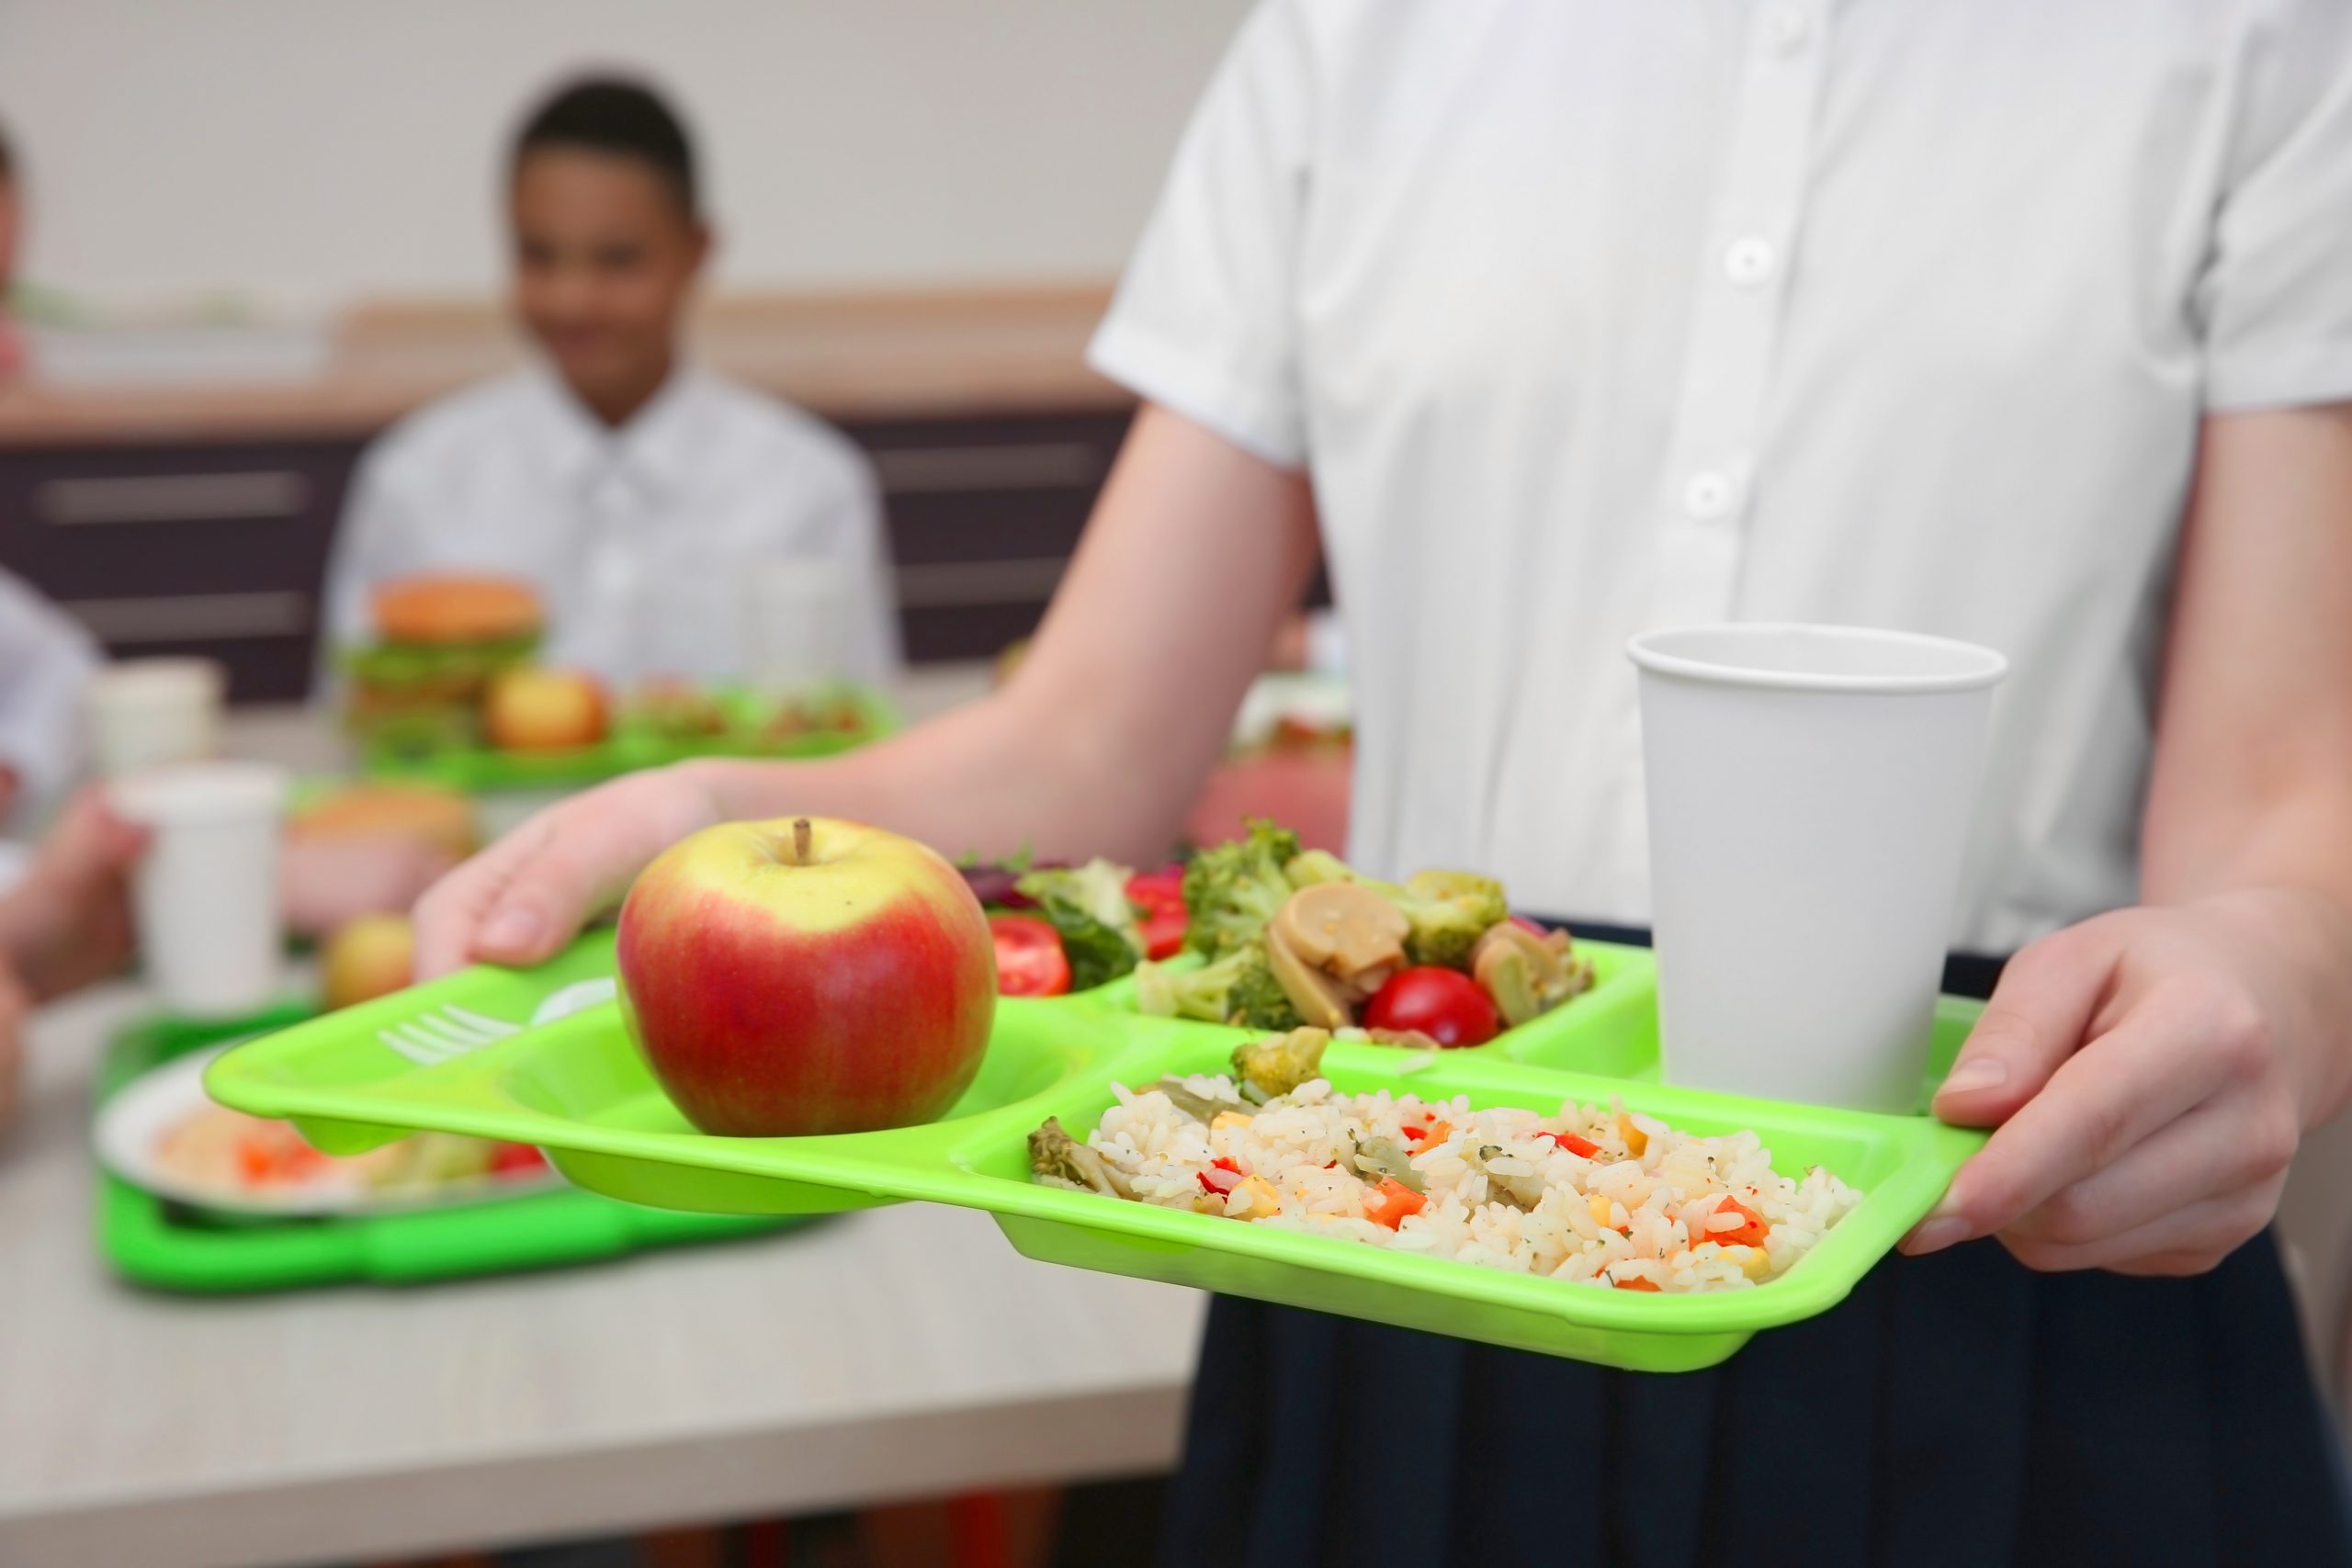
(1263, 423)
(2292, 378)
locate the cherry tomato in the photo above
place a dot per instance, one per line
(508, 1159)
(1029, 957)
(1447, 1006)
(1160, 896)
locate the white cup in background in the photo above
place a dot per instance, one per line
(212, 933)
(796, 624)
(146, 711)
(1810, 792)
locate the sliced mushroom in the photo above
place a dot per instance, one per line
(1320, 1001)
(1527, 975)
(1343, 928)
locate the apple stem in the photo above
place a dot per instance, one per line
(800, 836)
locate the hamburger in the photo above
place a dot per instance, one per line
(439, 640)
(425, 813)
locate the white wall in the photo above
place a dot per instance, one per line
(314, 150)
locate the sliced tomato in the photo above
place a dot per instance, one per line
(1029, 957)
(1445, 1004)
(1158, 898)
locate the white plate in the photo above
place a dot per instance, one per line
(130, 1132)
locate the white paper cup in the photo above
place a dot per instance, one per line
(1810, 792)
(796, 624)
(146, 711)
(205, 896)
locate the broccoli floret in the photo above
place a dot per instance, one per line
(1232, 890)
(1238, 988)
(1317, 866)
(1256, 999)
(1447, 912)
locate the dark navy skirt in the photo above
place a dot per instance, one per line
(1955, 1409)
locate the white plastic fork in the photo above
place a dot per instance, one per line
(430, 1039)
(433, 1038)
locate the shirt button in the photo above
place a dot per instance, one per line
(1748, 262)
(1785, 29)
(1707, 495)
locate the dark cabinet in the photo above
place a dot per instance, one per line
(222, 549)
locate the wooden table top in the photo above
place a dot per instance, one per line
(870, 356)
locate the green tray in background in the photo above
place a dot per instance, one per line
(629, 748)
(167, 1245)
(578, 1088)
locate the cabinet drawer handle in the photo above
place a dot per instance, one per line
(196, 617)
(1044, 465)
(172, 498)
(942, 585)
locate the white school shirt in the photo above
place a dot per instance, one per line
(1590, 317)
(46, 664)
(635, 538)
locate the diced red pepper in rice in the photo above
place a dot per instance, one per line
(1634, 1283)
(1390, 1201)
(1751, 1231)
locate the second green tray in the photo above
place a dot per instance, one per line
(168, 1246)
(474, 770)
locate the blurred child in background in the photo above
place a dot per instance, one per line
(630, 488)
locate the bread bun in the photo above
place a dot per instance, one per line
(449, 609)
(438, 817)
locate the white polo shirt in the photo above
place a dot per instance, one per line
(46, 663)
(635, 538)
(1588, 317)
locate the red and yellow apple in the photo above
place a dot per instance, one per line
(539, 709)
(366, 958)
(806, 975)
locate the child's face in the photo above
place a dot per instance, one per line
(603, 258)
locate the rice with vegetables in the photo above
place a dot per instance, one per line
(1593, 1195)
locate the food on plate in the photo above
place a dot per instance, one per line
(672, 709)
(1103, 919)
(1591, 1196)
(806, 975)
(823, 713)
(214, 1149)
(439, 639)
(441, 818)
(1298, 937)
(370, 957)
(533, 709)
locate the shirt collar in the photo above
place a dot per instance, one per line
(653, 452)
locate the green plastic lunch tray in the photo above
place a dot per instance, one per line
(169, 1247)
(632, 746)
(578, 1088)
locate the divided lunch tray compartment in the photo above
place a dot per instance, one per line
(174, 1246)
(578, 1088)
(631, 746)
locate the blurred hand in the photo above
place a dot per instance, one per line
(521, 900)
(16, 1010)
(68, 922)
(2151, 1072)
(329, 881)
